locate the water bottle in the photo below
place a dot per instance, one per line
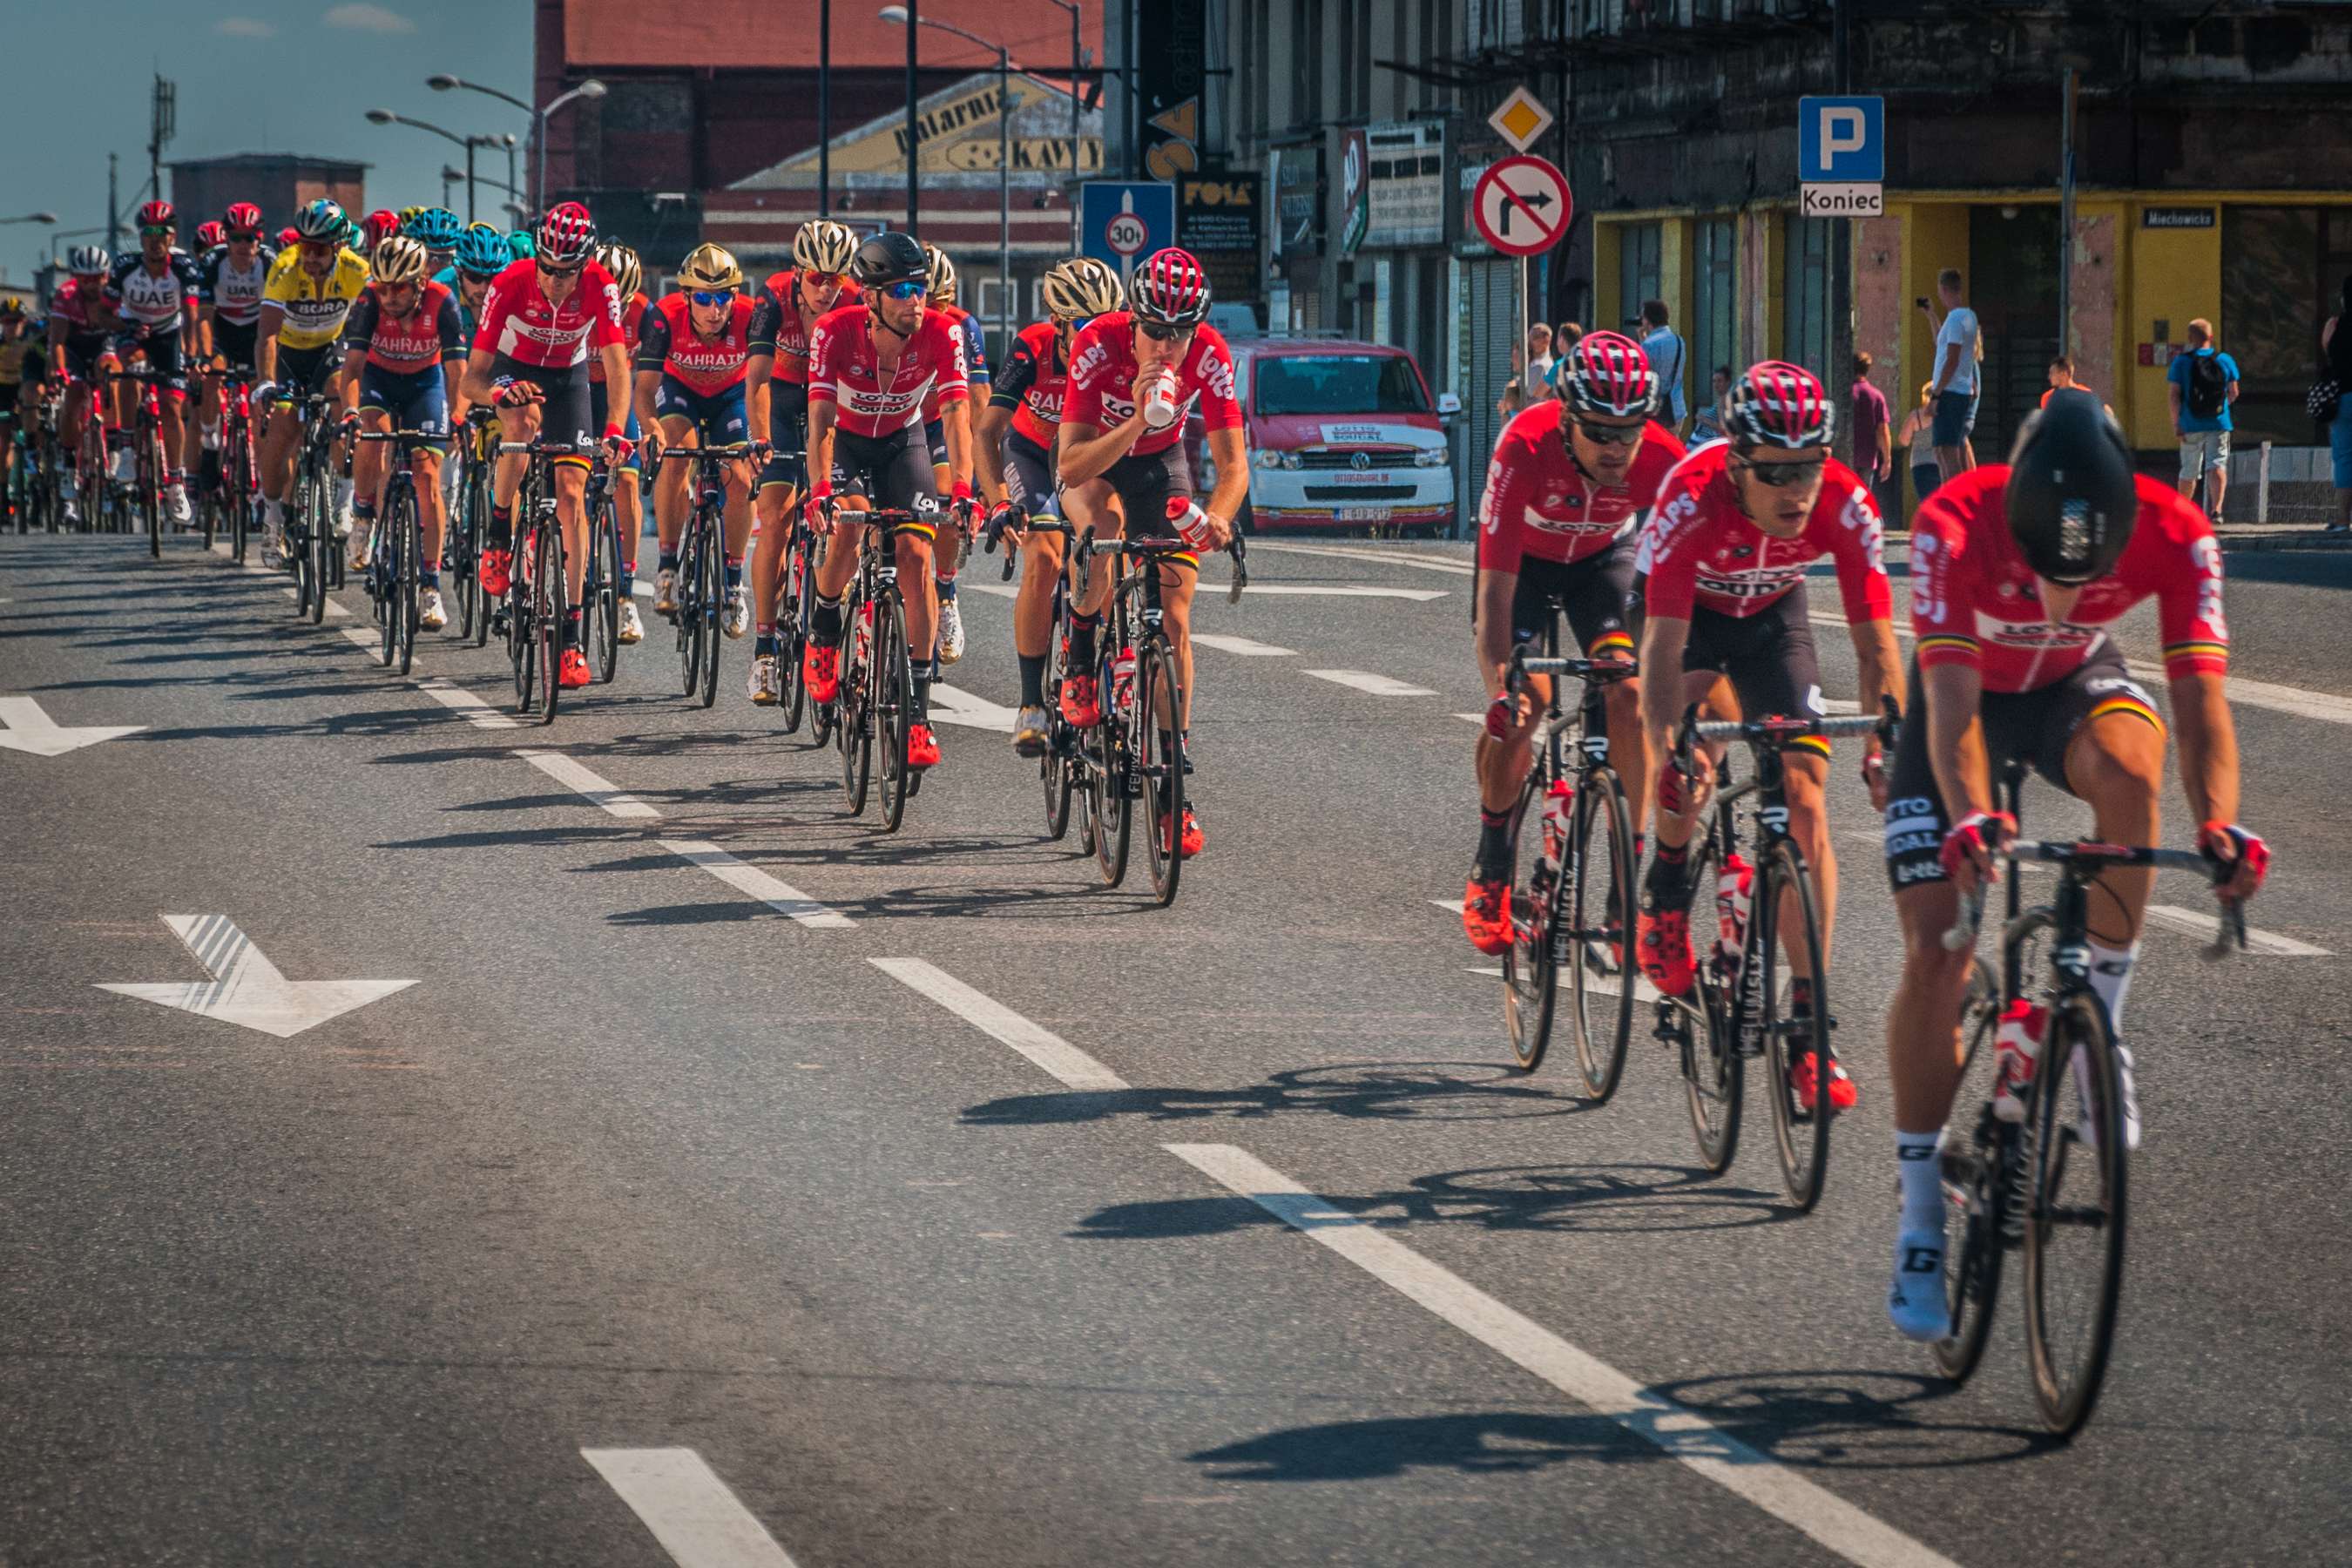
(1160, 401)
(1185, 516)
(1122, 682)
(1734, 887)
(1557, 800)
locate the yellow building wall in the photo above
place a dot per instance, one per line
(2175, 274)
(1606, 252)
(1934, 236)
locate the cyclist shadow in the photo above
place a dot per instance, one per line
(1379, 1092)
(1853, 1418)
(1487, 1442)
(1032, 902)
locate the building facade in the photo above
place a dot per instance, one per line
(279, 183)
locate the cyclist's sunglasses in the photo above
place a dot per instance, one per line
(319, 247)
(549, 269)
(912, 288)
(484, 279)
(1074, 324)
(159, 230)
(707, 297)
(1611, 435)
(822, 280)
(1161, 332)
(247, 235)
(1780, 476)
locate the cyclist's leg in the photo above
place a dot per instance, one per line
(629, 506)
(380, 393)
(567, 423)
(2104, 732)
(1029, 484)
(1778, 671)
(676, 409)
(906, 483)
(726, 423)
(165, 358)
(427, 408)
(520, 423)
(779, 494)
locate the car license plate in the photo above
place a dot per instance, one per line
(1366, 513)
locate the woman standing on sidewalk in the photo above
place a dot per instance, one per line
(1918, 435)
(2336, 349)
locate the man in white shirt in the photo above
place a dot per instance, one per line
(1957, 349)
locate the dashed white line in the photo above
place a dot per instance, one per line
(1387, 557)
(1310, 591)
(698, 1519)
(332, 607)
(953, 705)
(2196, 922)
(1245, 647)
(1377, 685)
(994, 590)
(1680, 1433)
(781, 896)
(597, 788)
(458, 698)
(1060, 1059)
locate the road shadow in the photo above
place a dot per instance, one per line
(1496, 1442)
(1853, 1418)
(1374, 1091)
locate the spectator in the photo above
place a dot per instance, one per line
(2336, 349)
(2061, 379)
(2201, 386)
(1918, 433)
(1874, 441)
(1709, 425)
(1568, 335)
(1665, 352)
(1533, 382)
(1959, 344)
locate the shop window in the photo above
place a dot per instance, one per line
(1805, 294)
(1637, 274)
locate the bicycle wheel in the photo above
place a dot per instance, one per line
(1714, 1072)
(2074, 1212)
(1114, 819)
(522, 634)
(791, 625)
(1055, 768)
(1160, 763)
(600, 622)
(407, 557)
(322, 547)
(380, 581)
(853, 714)
(1801, 1137)
(236, 485)
(710, 591)
(549, 610)
(894, 707)
(1595, 920)
(1530, 966)
(688, 614)
(151, 486)
(1977, 1170)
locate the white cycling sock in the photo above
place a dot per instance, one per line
(1923, 1180)
(273, 512)
(2111, 972)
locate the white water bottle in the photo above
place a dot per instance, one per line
(1122, 682)
(1734, 892)
(1558, 801)
(1159, 401)
(1185, 516)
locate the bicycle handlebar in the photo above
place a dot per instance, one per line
(2081, 857)
(1600, 669)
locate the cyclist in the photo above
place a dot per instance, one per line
(438, 231)
(155, 296)
(1736, 524)
(19, 350)
(1135, 375)
(401, 348)
(2017, 572)
(628, 501)
(948, 558)
(80, 326)
(520, 246)
(789, 304)
(693, 383)
(871, 366)
(1567, 491)
(377, 228)
(544, 319)
(311, 287)
(229, 281)
(481, 256)
(1016, 463)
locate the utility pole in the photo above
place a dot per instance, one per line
(2067, 218)
(1836, 373)
(113, 205)
(162, 124)
(914, 20)
(825, 108)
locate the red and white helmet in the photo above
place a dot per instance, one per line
(1169, 288)
(242, 217)
(158, 215)
(1780, 405)
(566, 235)
(1607, 374)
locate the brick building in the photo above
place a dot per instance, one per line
(278, 183)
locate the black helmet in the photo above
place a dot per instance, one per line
(888, 258)
(2072, 498)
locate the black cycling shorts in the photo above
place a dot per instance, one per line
(2031, 729)
(565, 417)
(1029, 477)
(1770, 658)
(893, 471)
(234, 343)
(163, 357)
(1593, 592)
(302, 372)
(1145, 485)
(787, 465)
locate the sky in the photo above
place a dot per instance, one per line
(286, 76)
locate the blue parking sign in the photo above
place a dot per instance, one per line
(1122, 222)
(1840, 140)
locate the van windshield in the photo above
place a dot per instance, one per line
(1338, 383)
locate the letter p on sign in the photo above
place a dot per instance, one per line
(1843, 130)
(1840, 140)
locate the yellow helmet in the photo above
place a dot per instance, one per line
(628, 272)
(823, 246)
(1082, 285)
(11, 308)
(709, 267)
(399, 259)
(940, 283)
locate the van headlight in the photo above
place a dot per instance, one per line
(1430, 457)
(1267, 457)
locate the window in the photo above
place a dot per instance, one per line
(1637, 274)
(1306, 62)
(1714, 325)
(2282, 271)
(1338, 383)
(1805, 294)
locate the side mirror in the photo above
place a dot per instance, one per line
(1448, 405)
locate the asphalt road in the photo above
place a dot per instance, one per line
(737, 1184)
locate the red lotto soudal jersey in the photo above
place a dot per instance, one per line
(1102, 382)
(1700, 551)
(845, 370)
(1539, 504)
(519, 322)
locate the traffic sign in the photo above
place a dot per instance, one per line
(1522, 206)
(1519, 120)
(1840, 140)
(1120, 221)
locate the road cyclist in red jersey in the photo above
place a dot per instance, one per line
(403, 349)
(789, 306)
(872, 366)
(2018, 572)
(628, 272)
(1567, 491)
(1135, 377)
(1017, 433)
(542, 321)
(81, 326)
(948, 559)
(1723, 562)
(229, 280)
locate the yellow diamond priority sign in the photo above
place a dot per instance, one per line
(1519, 120)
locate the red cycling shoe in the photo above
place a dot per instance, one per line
(1662, 937)
(922, 747)
(497, 565)
(821, 672)
(1079, 706)
(1486, 914)
(573, 671)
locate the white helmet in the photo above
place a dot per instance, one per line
(823, 246)
(1081, 285)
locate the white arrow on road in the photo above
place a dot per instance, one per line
(30, 730)
(245, 988)
(951, 706)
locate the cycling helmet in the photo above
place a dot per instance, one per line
(628, 272)
(1170, 289)
(321, 222)
(210, 234)
(709, 267)
(242, 217)
(2072, 498)
(434, 228)
(399, 259)
(520, 246)
(483, 249)
(1607, 374)
(888, 258)
(565, 235)
(1082, 285)
(1779, 404)
(378, 226)
(158, 215)
(940, 279)
(11, 308)
(823, 246)
(88, 261)
(408, 215)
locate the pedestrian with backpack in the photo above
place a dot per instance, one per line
(2201, 385)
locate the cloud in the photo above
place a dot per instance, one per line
(245, 28)
(362, 17)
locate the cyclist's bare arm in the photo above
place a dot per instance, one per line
(1230, 451)
(1663, 638)
(265, 342)
(1497, 591)
(642, 391)
(616, 360)
(989, 464)
(955, 421)
(1087, 452)
(822, 414)
(347, 380)
(2208, 746)
(477, 376)
(1882, 665)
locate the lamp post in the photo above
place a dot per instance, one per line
(900, 14)
(386, 117)
(1077, 64)
(32, 218)
(591, 88)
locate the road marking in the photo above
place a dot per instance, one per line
(952, 705)
(1358, 552)
(332, 609)
(1060, 1059)
(371, 642)
(641, 589)
(2196, 922)
(593, 785)
(994, 590)
(1243, 646)
(31, 731)
(698, 1519)
(477, 713)
(1602, 985)
(781, 897)
(1378, 685)
(1473, 718)
(1303, 591)
(245, 988)
(1680, 1433)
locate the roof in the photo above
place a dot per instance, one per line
(773, 34)
(266, 160)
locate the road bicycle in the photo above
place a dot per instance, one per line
(1063, 768)
(876, 702)
(469, 525)
(2054, 1183)
(397, 553)
(143, 494)
(230, 502)
(701, 595)
(1738, 1006)
(536, 602)
(310, 510)
(93, 464)
(1572, 874)
(795, 625)
(44, 457)
(600, 588)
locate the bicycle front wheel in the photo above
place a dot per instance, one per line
(710, 591)
(549, 609)
(854, 709)
(150, 488)
(599, 620)
(407, 553)
(1714, 1072)
(1054, 768)
(1595, 920)
(2074, 1210)
(1977, 1171)
(1114, 821)
(1796, 1042)
(1160, 763)
(894, 706)
(1530, 970)
(319, 546)
(689, 614)
(792, 626)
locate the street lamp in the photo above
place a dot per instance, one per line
(1077, 64)
(386, 117)
(897, 14)
(32, 218)
(442, 82)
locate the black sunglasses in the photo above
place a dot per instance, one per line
(1161, 332)
(1611, 435)
(1780, 476)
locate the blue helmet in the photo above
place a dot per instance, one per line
(434, 228)
(521, 246)
(482, 249)
(323, 221)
